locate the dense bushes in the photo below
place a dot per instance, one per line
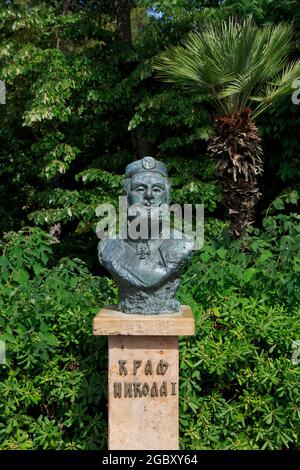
(264, 264)
(53, 389)
(239, 386)
(77, 99)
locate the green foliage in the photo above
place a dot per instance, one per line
(22, 252)
(186, 185)
(243, 8)
(76, 100)
(166, 115)
(239, 386)
(53, 386)
(282, 148)
(269, 258)
(236, 63)
(70, 84)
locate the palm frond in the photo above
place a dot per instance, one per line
(237, 63)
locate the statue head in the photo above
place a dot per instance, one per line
(147, 255)
(147, 183)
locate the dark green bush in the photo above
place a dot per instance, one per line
(77, 100)
(53, 388)
(240, 388)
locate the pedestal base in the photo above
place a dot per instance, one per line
(143, 377)
(143, 397)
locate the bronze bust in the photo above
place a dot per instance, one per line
(147, 269)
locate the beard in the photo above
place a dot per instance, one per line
(146, 221)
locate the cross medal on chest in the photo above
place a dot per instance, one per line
(142, 249)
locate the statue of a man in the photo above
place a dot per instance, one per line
(146, 269)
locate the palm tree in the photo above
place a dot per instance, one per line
(244, 69)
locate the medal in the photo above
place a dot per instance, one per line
(142, 249)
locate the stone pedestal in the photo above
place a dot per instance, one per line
(143, 377)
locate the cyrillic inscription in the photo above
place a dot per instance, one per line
(140, 389)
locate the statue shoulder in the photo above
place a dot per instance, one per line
(109, 248)
(184, 242)
(177, 249)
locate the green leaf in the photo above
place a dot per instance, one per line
(21, 276)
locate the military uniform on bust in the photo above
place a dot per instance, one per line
(147, 270)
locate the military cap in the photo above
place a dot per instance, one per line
(145, 164)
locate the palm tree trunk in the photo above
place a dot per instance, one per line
(237, 150)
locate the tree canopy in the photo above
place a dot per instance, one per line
(82, 100)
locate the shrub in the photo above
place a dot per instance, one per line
(53, 389)
(239, 386)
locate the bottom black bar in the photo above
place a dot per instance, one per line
(136, 459)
